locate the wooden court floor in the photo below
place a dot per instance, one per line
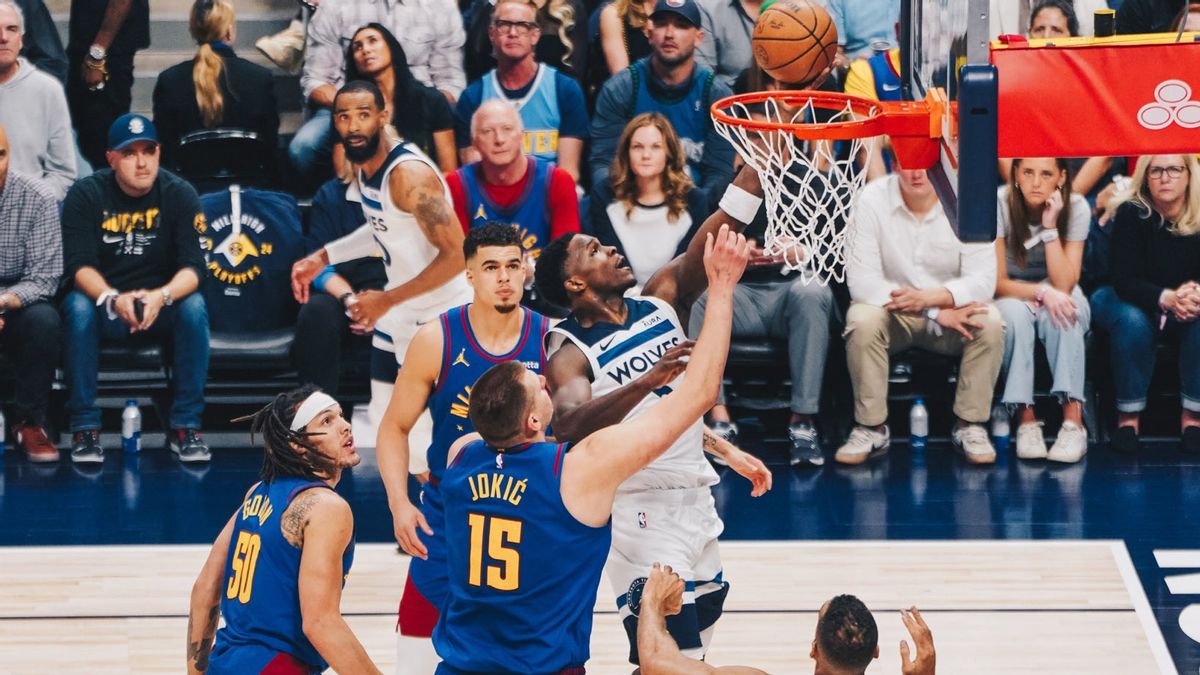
(993, 606)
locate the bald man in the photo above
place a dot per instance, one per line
(30, 331)
(506, 185)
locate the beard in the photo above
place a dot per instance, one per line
(506, 309)
(360, 155)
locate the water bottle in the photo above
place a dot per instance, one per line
(1000, 426)
(918, 425)
(131, 427)
(3, 429)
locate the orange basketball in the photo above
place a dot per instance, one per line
(794, 40)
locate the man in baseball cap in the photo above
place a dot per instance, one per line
(131, 128)
(688, 9)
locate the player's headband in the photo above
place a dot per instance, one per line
(312, 406)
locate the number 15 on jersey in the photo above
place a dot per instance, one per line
(501, 569)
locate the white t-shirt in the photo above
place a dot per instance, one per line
(648, 236)
(1035, 258)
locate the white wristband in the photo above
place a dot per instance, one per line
(1049, 234)
(740, 205)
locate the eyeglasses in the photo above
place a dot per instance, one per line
(1156, 172)
(523, 27)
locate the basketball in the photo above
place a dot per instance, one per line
(794, 40)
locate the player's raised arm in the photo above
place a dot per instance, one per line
(324, 525)
(681, 281)
(414, 384)
(594, 468)
(206, 602)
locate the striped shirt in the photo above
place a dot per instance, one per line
(31, 256)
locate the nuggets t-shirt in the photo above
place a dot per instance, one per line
(134, 242)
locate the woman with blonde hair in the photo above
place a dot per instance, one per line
(649, 209)
(216, 88)
(1039, 255)
(563, 43)
(1155, 296)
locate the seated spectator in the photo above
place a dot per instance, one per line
(670, 82)
(431, 34)
(727, 26)
(1039, 253)
(1189, 19)
(30, 332)
(561, 41)
(1147, 16)
(323, 326)
(846, 640)
(43, 47)
(550, 103)
(216, 89)
(33, 108)
(420, 113)
(507, 186)
(618, 39)
(1014, 18)
(131, 249)
(649, 209)
(863, 27)
(914, 284)
(1155, 297)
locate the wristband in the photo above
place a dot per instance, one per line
(323, 278)
(739, 204)
(106, 301)
(1049, 234)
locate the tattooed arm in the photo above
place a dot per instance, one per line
(206, 603)
(745, 464)
(417, 189)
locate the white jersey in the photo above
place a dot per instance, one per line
(396, 235)
(619, 354)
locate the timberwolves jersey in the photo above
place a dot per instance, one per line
(538, 108)
(405, 249)
(523, 571)
(530, 213)
(261, 601)
(620, 354)
(464, 361)
(688, 115)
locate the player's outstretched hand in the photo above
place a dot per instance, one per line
(725, 258)
(752, 469)
(923, 641)
(663, 591)
(405, 522)
(304, 271)
(672, 363)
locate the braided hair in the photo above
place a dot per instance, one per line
(288, 453)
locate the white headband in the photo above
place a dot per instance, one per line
(312, 406)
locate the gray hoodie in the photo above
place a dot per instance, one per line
(33, 110)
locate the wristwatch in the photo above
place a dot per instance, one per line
(97, 53)
(167, 299)
(344, 297)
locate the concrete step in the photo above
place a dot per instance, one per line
(169, 30)
(185, 6)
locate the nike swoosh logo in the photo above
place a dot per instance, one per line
(893, 87)
(604, 345)
(110, 239)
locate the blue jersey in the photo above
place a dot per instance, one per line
(538, 109)
(530, 213)
(689, 115)
(523, 571)
(464, 361)
(261, 600)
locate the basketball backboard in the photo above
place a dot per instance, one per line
(944, 47)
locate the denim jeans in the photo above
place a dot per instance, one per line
(184, 325)
(310, 150)
(1065, 349)
(1133, 338)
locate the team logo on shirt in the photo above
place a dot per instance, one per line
(461, 359)
(633, 597)
(499, 461)
(642, 519)
(233, 255)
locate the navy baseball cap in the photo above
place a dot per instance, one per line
(688, 9)
(129, 128)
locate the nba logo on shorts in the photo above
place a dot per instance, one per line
(642, 519)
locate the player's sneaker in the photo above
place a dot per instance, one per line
(1030, 443)
(806, 446)
(1071, 444)
(85, 447)
(187, 444)
(972, 441)
(864, 443)
(33, 441)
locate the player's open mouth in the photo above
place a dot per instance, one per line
(622, 263)
(349, 442)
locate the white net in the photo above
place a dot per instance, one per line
(809, 187)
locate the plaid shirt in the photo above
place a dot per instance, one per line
(31, 257)
(430, 31)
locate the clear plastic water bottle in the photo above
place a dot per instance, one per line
(1001, 429)
(918, 425)
(131, 427)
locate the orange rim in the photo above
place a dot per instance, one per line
(894, 118)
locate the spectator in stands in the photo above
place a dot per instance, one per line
(420, 113)
(103, 37)
(430, 32)
(1147, 16)
(507, 186)
(1155, 295)
(551, 104)
(561, 41)
(1189, 19)
(669, 82)
(131, 250)
(727, 26)
(619, 40)
(43, 47)
(648, 209)
(1039, 253)
(864, 26)
(914, 284)
(216, 89)
(323, 326)
(1025, 17)
(34, 111)
(30, 331)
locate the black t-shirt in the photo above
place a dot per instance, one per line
(135, 242)
(87, 15)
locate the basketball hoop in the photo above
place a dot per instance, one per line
(809, 186)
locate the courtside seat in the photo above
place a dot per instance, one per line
(756, 374)
(258, 350)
